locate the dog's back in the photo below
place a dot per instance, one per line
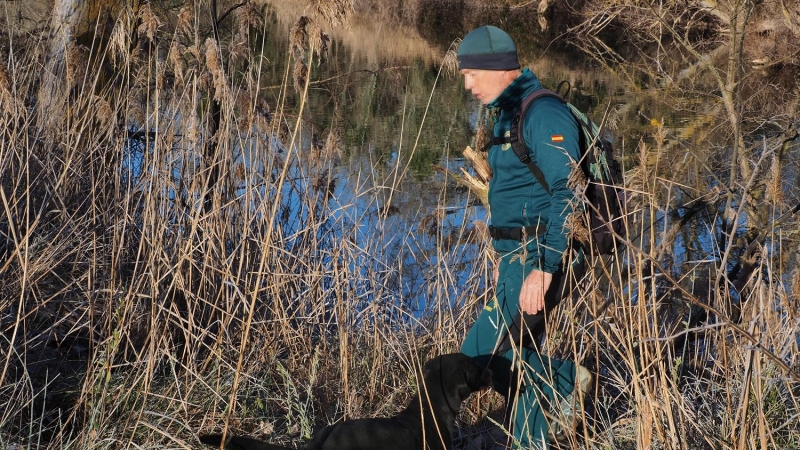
(394, 433)
(239, 443)
(401, 432)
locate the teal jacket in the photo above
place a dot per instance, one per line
(516, 198)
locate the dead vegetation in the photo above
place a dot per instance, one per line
(175, 256)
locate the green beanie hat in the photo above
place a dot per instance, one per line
(488, 48)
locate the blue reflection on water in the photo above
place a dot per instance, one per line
(404, 247)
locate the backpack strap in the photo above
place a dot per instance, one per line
(522, 153)
(518, 140)
(520, 149)
(495, 140)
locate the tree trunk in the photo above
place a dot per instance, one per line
(67, 14)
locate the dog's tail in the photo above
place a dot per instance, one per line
(239, 443)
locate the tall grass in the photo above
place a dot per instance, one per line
(176, 258)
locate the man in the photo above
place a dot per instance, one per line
(529, 236)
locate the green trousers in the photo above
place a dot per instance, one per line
(528, 379)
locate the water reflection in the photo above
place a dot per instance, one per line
(396, 112)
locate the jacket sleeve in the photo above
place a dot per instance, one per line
(551, 134)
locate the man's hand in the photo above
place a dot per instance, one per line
(531, 296)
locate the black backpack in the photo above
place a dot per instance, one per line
(605, 199)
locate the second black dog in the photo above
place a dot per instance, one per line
(427, 422)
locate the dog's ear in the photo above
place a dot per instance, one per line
(475, 378)
(464, 390)
(477, 375)
(485, 378)
(432, 368)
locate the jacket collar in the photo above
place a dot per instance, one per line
(513, 95)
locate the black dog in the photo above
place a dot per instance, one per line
(427, 422)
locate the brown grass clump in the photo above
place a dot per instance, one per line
(77, 63)
(450, 62)
(775, 185)
(577, 181)
(118, 42)
(335, 12)
(149, 21)
(298, 38)
(176, 50)
(300, 76)
(217, 71)
(298, 42)
(186, 18)
(577, 228)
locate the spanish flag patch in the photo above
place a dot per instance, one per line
(557, 137)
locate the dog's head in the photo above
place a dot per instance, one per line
(457, 375)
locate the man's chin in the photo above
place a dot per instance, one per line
(485, 99)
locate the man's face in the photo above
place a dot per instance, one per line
(487, 85)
